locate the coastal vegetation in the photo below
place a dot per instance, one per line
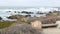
(4, 24)
(20, 18)
(22, 28)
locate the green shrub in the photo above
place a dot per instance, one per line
(5, 24)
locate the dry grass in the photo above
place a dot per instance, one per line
(20, 29)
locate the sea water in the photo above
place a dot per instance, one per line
(4, 12)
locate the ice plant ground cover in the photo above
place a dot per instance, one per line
(5, 24)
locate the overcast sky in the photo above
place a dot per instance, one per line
(30, 3)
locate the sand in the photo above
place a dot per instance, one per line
(51, 31)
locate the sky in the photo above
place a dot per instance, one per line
(30, 3)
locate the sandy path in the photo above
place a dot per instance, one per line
(51, 31)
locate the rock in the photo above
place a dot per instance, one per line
(36, 24)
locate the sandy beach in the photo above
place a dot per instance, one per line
(51, 31)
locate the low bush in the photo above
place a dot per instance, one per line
(4, 24)
(21, 29)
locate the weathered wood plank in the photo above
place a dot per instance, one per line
(48, 25)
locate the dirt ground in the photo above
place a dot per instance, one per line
(51, 30)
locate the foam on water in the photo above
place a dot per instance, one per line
(5, 12)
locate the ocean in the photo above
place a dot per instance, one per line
(4, 12)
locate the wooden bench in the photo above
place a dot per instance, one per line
(49, 25)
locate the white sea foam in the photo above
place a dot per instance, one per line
(5, 12)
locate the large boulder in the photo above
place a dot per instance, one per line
(36, 24)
